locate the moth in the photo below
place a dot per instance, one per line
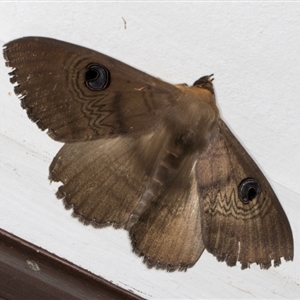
(153, 158)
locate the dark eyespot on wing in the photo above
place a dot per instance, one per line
(97, 77)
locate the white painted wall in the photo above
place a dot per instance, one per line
(254, 51)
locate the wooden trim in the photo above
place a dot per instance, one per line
(30, 272)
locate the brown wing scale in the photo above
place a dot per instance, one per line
(54, 84)
(257, 231)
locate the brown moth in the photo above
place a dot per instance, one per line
(150, 157)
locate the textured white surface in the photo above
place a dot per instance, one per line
(253, 50)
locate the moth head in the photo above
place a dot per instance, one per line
(205, 82)
(249, 189)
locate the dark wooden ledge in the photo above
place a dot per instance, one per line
(30, 272)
